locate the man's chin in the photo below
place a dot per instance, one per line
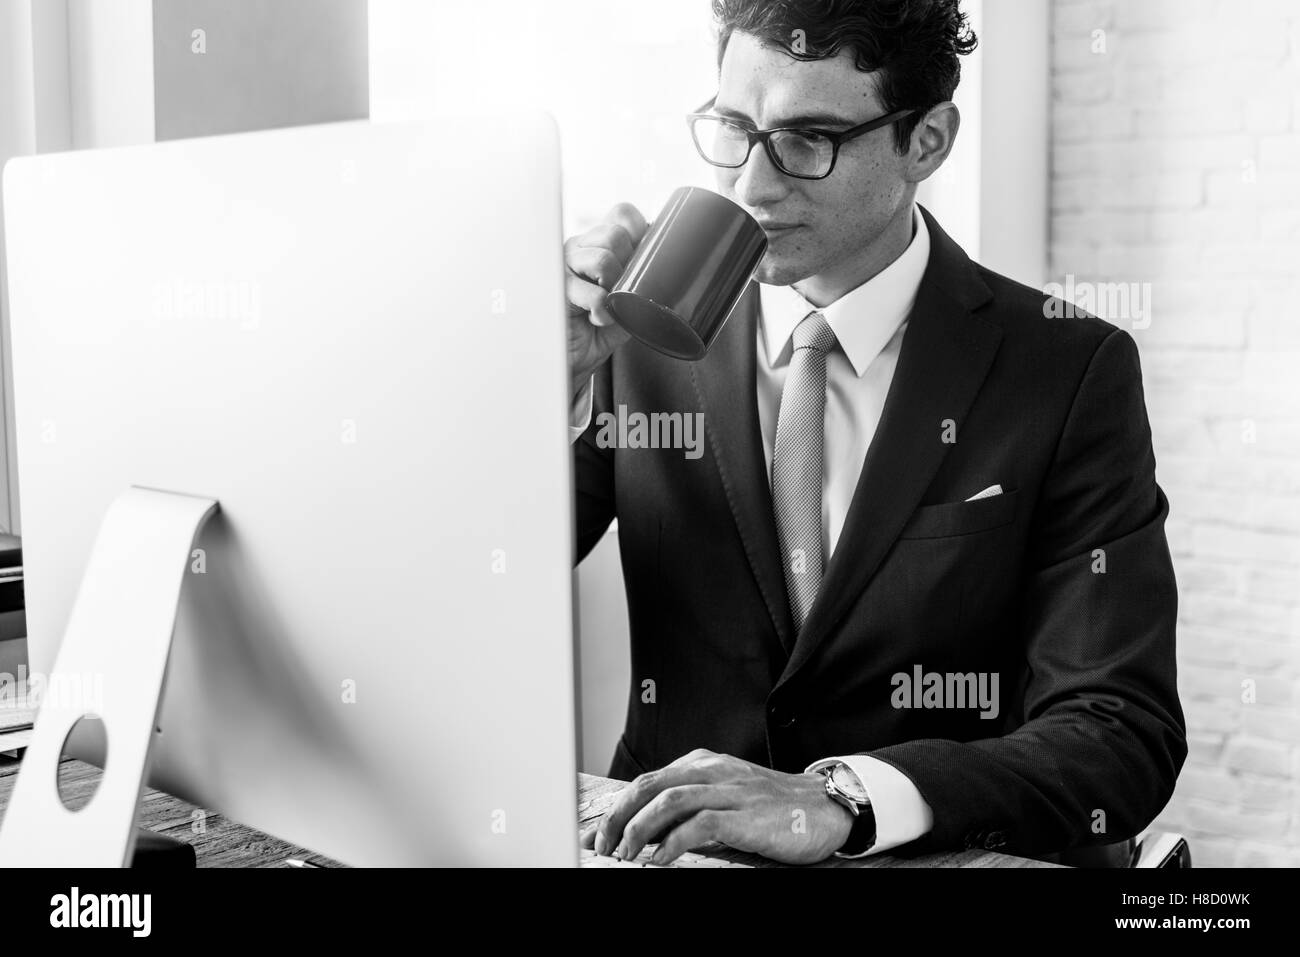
(777, 273)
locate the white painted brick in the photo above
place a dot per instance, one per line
(1266, 652)
(1205, 748)
(1219, 541)
(1202, 577)
(1272, 583)
(1073, 258)
(1216, 819)
(1271, 367)
(1104, 121)
(1230, 188)
(1257, 756)
(1215, 116)
(1148, 262)
(1273, 724)
(1273, 437)
(1225, 38)
(1202, 327)
(1081, 18)
(1110, 160)
(1276, 690)
(1252, 259)
(1263, 855)
(1273, 329)
(1242, 471)
(1280, 225)
(1211, 225)
(1226, 507)
(1073, 194)
(1215, 784)
(1256, 792)
(1268, 113)
(1125, 227)
(1222, 716)
(1073, 52)
(1209, 683)
(1178, 365)
(1176, 161)
(1177, 189)
(1183, 437)
(1280, 151)
(1212, 851)
(1082, 88)
(1159, 14)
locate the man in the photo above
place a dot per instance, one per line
(916, 593)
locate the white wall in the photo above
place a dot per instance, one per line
(619, 77)
(266, 64)
(953, 193)
(100, 73)
(33, 116)
(991, 196)
(111, 83)
(17, 136)
(1015, 138)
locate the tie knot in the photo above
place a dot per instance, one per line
(814, 332)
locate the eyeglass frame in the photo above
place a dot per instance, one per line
(836, 137)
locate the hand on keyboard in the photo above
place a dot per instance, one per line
(689, 859)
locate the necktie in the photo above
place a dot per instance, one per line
(797, 463)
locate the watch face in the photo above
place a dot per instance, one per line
(849, 784)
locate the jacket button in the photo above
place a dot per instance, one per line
(780, 717)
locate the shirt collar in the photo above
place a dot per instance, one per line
(864, 319)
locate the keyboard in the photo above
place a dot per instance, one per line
(689, 859)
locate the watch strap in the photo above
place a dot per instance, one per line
(862, 835)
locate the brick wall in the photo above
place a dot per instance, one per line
(1176, 162)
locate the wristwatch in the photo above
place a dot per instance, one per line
(844, 788)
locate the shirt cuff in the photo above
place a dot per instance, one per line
(902, 815)
(580, 411)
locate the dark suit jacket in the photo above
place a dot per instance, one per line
(1090, 735)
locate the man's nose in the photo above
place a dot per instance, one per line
(760, 183)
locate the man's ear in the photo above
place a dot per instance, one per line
(932, 141)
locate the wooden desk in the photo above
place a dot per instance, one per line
(221, 842)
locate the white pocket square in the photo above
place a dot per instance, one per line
(987, 493)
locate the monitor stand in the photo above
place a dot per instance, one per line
(120, 632)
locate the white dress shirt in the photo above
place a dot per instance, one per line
(869, 323)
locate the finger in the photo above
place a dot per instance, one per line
(668, 808)
(706, 826)
(630, 218)
(691, 757)
(640, 792)
(612, 236)
(589, 298)
(596, 263)
(587, 838)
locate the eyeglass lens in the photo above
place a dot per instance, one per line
(726, 144)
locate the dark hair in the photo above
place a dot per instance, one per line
(913, 43)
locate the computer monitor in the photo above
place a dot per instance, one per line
(352, 336)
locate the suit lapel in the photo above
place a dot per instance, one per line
(726, 383)
(945, 357)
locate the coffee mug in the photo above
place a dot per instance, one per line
(691, 269)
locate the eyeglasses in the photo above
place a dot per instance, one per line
(801, 153)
